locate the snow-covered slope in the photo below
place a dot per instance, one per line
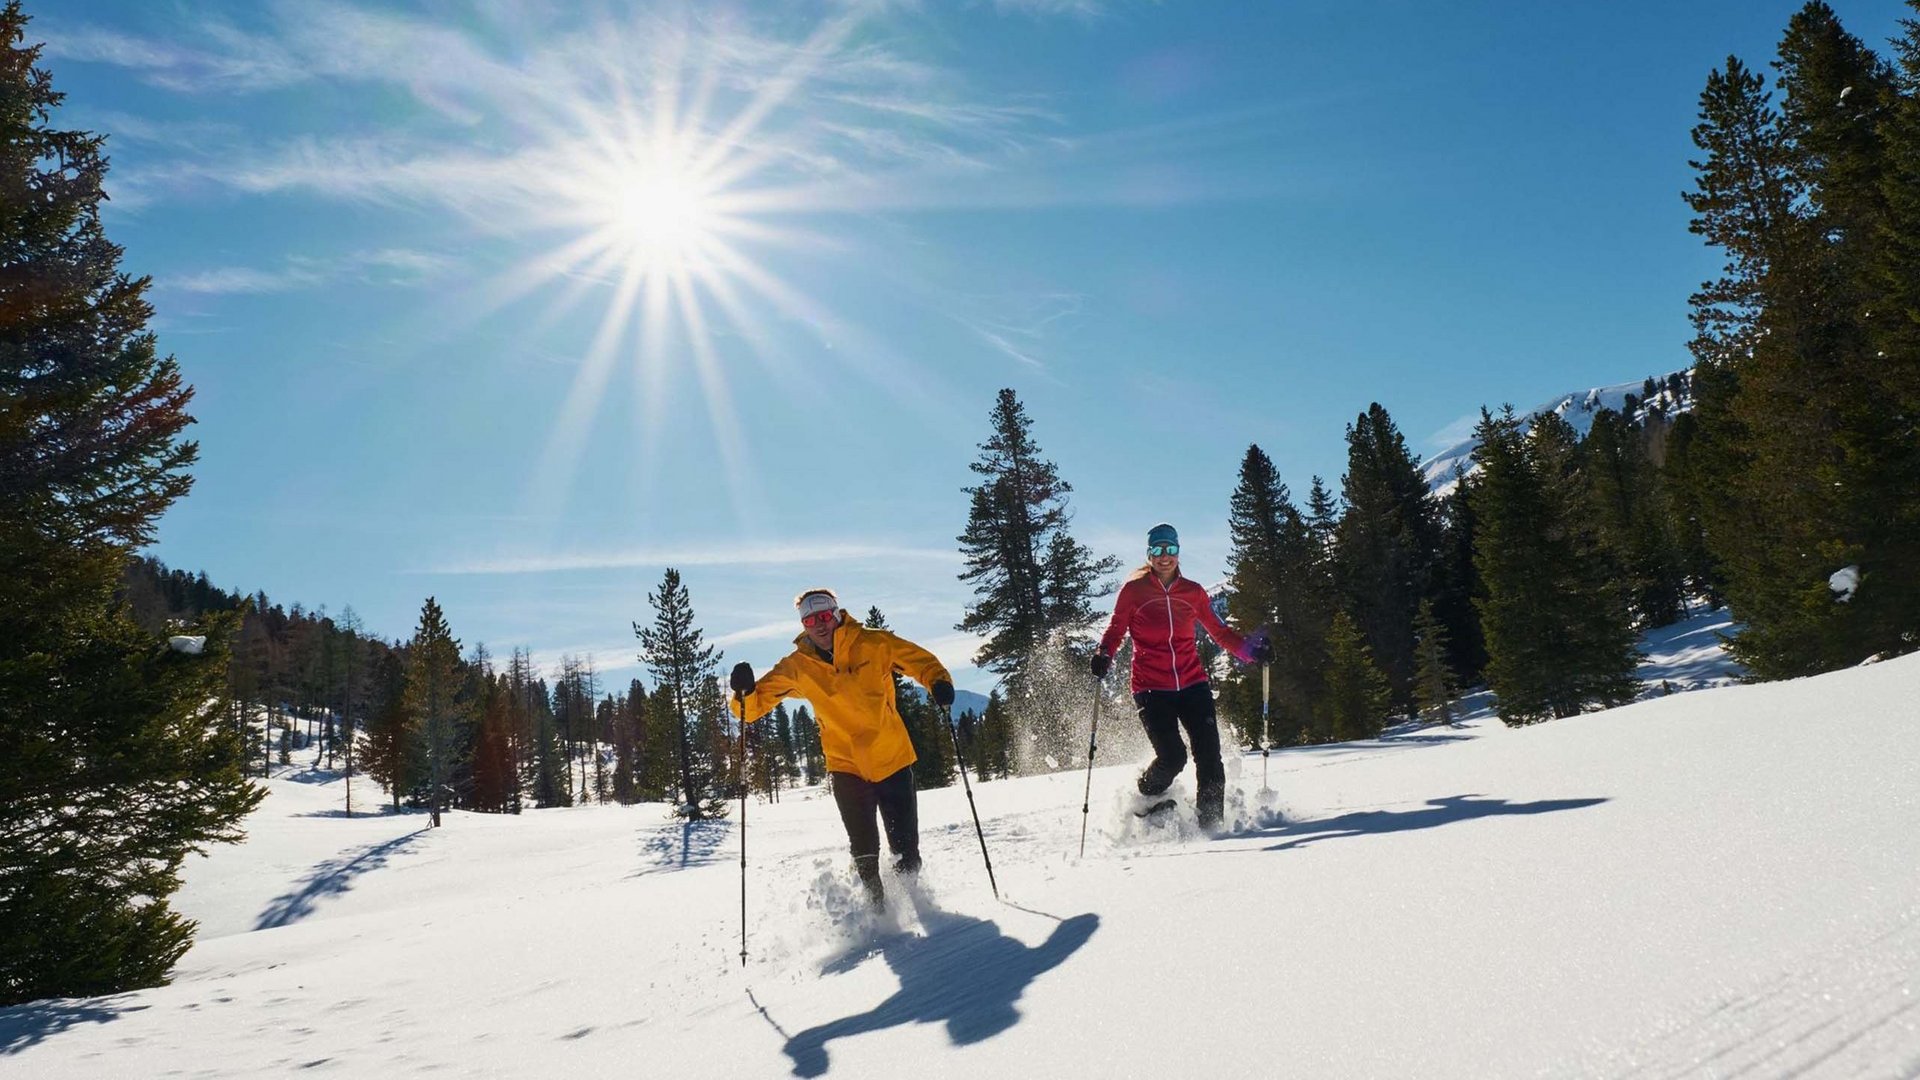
(1578, 410)
(1715, 883)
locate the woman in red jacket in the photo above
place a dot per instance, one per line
(1159, 608)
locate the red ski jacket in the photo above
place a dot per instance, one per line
(1161, 620)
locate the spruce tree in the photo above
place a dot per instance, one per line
(1559, 634)
(1357, 695)
(1034, 584)
(1434, 685)
(1633, 529)
(389, 747)
(1274, 569)
(493, 766)
(1800, 457)
(992, 749)
(806, 735)
(684, 667)
(1890, 609)
(784, 745)
(1456, 583)
(433, 680)
(1387, 543)
(114, 761)
(352, 663)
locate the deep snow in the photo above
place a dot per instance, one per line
(1714, 883)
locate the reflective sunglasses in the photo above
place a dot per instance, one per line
(1157, 550)
(823, 617)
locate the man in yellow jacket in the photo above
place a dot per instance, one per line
(846, 671)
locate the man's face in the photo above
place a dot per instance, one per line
(819, 627)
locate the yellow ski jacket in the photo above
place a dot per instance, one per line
(860, 727)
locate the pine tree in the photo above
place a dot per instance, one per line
(1632, 527)
(433, 678)
(351, 652)
(1799, 457)
(389, 747)
(629, 743)
(114, 762)
(1457, 582)
(1357, 695)
(993, 740)
(1559, 634)
(589, 689)
(806, 735)
(1274, 567)
(1890, 608)
(566, 698)
(1387, 544)
(1034, 584)
(684, 666)
(784, 744)
(1434, 686)
(524, 725)
(493, 766)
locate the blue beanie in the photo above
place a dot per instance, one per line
(1162, 533)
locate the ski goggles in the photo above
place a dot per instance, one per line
(823, 617)
(1154, 551)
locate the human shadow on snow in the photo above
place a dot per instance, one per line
(1437, 812)
(694, 843)
(23, 1026)
(330, 878)
(964, 973)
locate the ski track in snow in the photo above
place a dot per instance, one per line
(1724, 883)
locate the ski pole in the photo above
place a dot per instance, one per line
(1265, 697)
(742, 699)
(1086, 797)
(968, 784)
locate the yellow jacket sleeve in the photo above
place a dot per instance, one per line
(915, 662)
(769, 690)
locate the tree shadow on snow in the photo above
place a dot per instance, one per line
(23, 1026)
(377, 810)
(694, 843)
(1437, 812)
(964, 973)
(330, 878)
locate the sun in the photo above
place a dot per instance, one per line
(663, 219)
(663, 200)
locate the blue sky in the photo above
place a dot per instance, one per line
(517, 308)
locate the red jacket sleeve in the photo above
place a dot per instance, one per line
(1220, 632)
(1123, 608)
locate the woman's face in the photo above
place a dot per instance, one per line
(1164, 565)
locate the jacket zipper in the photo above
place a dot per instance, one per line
(1173, 658)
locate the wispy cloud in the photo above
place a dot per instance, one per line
(781, 630)
(790, 553)
(1020, 324)
(384, 266)
(1082, 9)
(845, 102)
(235, 61)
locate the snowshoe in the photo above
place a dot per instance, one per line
(1155, 809)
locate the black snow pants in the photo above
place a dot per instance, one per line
(898, 806)
(1163, 713)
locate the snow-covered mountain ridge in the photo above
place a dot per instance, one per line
(1672, 394)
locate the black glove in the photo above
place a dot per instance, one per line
(942, 693)
(1262, 651)
(1101, 661)
(742, 678)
